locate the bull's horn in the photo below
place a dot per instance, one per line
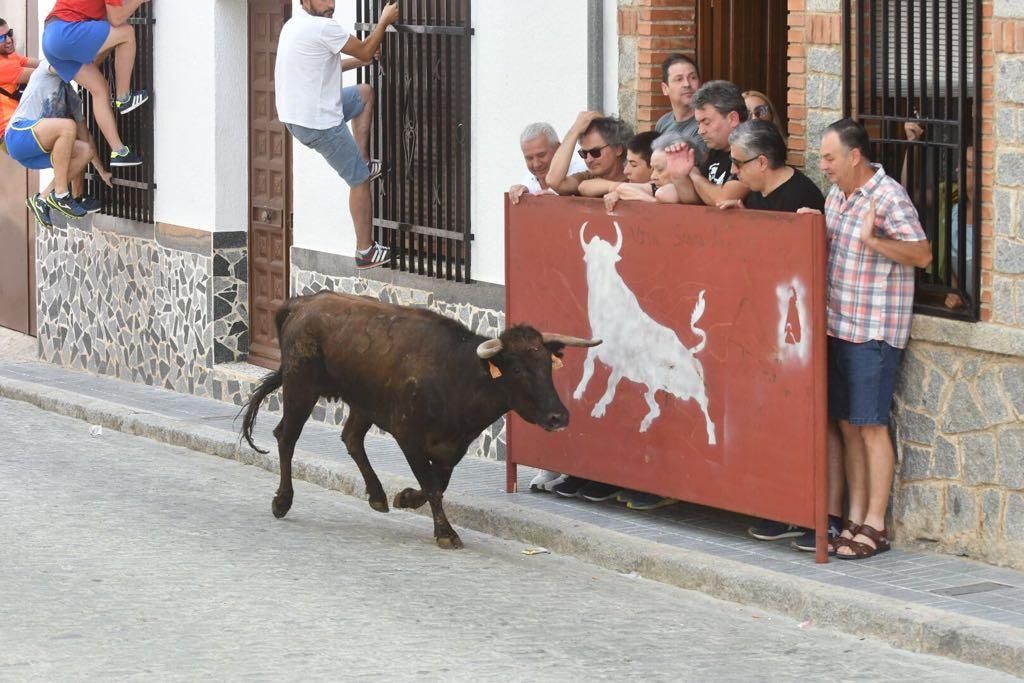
(568, 341)
(489, 348)
(583, 242)
(618, 237)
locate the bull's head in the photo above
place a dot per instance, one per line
(523, 357)
(600, 251)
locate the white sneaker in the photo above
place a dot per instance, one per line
(546, 481)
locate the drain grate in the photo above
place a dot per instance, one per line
(971, 588)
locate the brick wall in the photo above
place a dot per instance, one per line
(649, 30)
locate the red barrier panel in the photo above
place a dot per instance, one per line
(710, 384)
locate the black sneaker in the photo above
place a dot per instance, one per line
(66, 205)
(90, 204)
(379, 255)
(596, 491)
(766, 530)
(40, 209)
(639, 500)
(129, 158)
(806, 541)
(570, 488)
(132, 101)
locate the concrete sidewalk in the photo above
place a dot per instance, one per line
(922, 602)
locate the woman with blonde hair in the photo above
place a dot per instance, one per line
(761, 108)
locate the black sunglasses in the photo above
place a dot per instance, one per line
(5, 36)
(594, 152)
(738, 163)
(761, 111)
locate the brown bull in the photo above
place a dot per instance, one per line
(427, 380)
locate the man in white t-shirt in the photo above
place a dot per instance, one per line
(539, 142)
(316, 109)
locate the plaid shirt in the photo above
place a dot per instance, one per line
(870, 296)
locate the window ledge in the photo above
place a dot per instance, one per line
(989, 337)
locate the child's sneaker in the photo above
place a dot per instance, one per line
(126, 157)
(378, 255)
(40, 209)
(66, 205)
(130, 102)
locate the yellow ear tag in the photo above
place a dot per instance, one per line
(495, 372)
(556, 362)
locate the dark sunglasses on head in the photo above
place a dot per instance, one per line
(594, 152)
(5, 36)
(761, 111)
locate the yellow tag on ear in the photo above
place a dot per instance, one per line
(556, 362)
(495, 372)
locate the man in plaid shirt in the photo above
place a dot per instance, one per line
(875, 242)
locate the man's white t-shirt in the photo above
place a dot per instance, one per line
(307, 74)
(577, 165)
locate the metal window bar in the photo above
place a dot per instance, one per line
(131, 197)
(421, 133)
(923, 64)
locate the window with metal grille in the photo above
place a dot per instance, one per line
(919, 60)
(131, 197)
(421, 133)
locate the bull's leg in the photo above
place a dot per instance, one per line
(609, 394)
(588, 372)
(655, 409)
(431, 487)
(414, 498)
(702, 401)
(353, 435)
(298, 404)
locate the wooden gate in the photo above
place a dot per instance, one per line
(270, 170)
(17, 229)
(745, 42)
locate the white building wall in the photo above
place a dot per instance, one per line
(514, 83)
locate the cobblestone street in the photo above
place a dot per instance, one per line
(124, 558)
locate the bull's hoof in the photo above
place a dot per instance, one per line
(409, 499)
(449, 542)
(379, 504)
(281, 506)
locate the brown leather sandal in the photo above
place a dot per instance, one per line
(834, 544)
(862, 551)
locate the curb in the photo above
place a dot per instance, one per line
(904, 626)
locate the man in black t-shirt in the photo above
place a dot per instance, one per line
(758, 160)
(719, 108)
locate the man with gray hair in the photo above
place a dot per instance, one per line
(719, 109)
(758, 155)
(602, 142)
(539, 142)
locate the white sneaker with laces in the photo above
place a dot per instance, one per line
(546, 480)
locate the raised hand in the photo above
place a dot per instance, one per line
(584, 119)
(389, 14)
(681, 159)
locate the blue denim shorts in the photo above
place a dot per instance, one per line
(861, 380)
(337, 145)
(70, 45)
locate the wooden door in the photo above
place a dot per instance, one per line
(270, 183)
(745, 42)
(17, 228)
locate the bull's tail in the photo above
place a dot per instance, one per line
(698, 311)
(251, 407)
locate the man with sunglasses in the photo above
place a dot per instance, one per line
(78, 37)
(602, 140)
(719, 109)
(15, 70)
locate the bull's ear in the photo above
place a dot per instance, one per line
(489, 349)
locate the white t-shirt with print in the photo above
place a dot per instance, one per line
(577, 165)
(307, 74)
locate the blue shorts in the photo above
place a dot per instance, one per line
(861, 380)
(68, 46)
(24, 148)
(337, 145)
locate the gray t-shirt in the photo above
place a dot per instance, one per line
(688, 127)
(47, 97)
